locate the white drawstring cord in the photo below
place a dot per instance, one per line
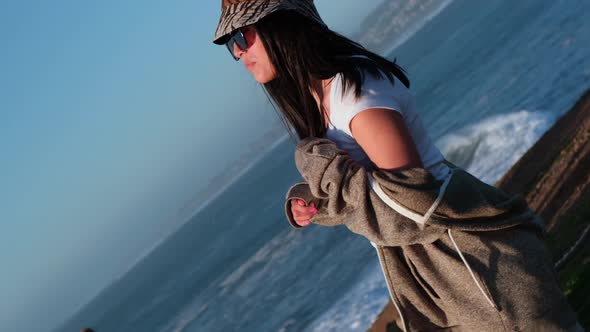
(389, 287)
(416, 217)
(470, 271)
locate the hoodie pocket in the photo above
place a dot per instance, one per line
(425, 285)
(476, 277)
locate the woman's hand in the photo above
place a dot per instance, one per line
(301, 212)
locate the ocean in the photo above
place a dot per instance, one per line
(489, 77)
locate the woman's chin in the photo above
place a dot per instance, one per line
(263, 78)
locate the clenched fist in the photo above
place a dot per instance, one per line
(301, 212)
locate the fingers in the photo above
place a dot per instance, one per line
(302, 213)
(303, 223)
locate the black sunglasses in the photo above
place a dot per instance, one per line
(237, 37)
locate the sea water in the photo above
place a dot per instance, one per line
(489, 77)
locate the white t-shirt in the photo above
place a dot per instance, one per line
(380, 93)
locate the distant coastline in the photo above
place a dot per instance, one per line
(399, 20)
(229, 173)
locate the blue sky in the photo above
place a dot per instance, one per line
(112, 115)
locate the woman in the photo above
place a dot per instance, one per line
(328, 86)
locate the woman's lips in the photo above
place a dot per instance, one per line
(249, 65)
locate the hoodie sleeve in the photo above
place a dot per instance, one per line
(340, 188)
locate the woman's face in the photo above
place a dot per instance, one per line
(255, 57)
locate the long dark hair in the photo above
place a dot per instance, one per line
(302, 52)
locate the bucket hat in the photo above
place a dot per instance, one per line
(239, 13)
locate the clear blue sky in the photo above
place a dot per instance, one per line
(112, 115)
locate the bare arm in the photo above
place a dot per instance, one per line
(385, 138)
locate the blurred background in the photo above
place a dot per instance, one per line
(143, 170)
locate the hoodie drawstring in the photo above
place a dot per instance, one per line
(389, 286)
(471, 271)
(419, 219)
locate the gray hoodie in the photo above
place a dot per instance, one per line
(439, 242)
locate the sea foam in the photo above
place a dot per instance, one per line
(487, 149)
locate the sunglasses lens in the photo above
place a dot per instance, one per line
(230, 48)
(238, 39)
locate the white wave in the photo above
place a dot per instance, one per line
(245, 280)
(358, 308)
(489, 148)
(186, 318)
(249, 275)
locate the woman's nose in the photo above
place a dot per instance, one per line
(238, 51)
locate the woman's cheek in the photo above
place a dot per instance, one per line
(271, 73)
(263, 75)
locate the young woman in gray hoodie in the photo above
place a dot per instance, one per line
(456, 253)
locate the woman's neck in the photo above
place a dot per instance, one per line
(321, 93)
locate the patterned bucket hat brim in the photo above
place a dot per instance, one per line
(239, 13)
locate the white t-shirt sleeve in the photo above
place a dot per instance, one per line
(375, 93)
